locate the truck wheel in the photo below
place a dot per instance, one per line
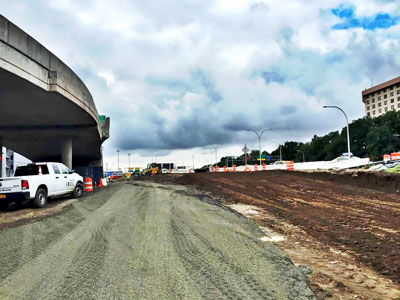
(78, 191)
(4, 205)
(40, 198)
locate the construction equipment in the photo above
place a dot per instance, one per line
(152, 169)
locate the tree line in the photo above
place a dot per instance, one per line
(369, 137)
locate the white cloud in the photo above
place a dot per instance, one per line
(188, 74)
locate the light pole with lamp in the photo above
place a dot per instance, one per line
(347, 123)
(118, 151)
(304, 160)
(216, 151)
(259, 135)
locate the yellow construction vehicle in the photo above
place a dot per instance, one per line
(152, 169)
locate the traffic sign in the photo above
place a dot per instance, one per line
(245, 149)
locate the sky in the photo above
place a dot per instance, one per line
(181, 78)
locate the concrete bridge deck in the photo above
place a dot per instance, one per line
(46, 111)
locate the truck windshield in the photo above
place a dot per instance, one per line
(31, 170)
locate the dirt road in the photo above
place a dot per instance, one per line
(346, 227)
(145, 241)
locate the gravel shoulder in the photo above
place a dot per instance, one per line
(142, 240)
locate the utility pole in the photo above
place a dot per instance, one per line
(129, 161)
(280, 152)
(118, 159)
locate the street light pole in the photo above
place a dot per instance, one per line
(118, 159)
(129, 161)
(304, 160)
(259, 138)
(347, 124)
(216, 151)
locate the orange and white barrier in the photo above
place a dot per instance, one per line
(217, 169)
(88, 187)
(395, 155)
(290, 165)
(234, 168)
(255, 168)
(264, 167)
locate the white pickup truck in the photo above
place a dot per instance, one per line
(37, 182)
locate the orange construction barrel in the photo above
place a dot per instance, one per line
(88, 185)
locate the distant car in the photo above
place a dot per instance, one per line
(281, 162)
(164, 171)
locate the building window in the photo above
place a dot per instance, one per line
(398, 105)
(367, 102)
(373, 112)
(384, 96)
(398, 85)
(398, 92)
(385, 108)
(385, 102)
(379, 97)
(367, 107)
(392, 107)
(379, 110)
(391, 93)
(398, 98)
(373, 105)
(368, 114)
(379, 104)
(391, 88)
(391, 100)
(384, 90)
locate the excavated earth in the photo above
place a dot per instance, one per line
(345, 227)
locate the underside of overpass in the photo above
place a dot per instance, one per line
(46, 112)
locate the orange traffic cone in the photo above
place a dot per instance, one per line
(40, 170)
(101, 183)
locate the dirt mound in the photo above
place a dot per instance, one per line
(356, 211)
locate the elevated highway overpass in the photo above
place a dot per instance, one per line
(46, 112)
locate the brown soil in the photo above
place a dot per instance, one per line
(346, 227)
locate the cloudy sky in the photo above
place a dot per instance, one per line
(177, 77)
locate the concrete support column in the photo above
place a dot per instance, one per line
(66, 152)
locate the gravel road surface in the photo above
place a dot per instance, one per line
(145, 241)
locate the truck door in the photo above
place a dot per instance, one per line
(67, 178)
(58, 180)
